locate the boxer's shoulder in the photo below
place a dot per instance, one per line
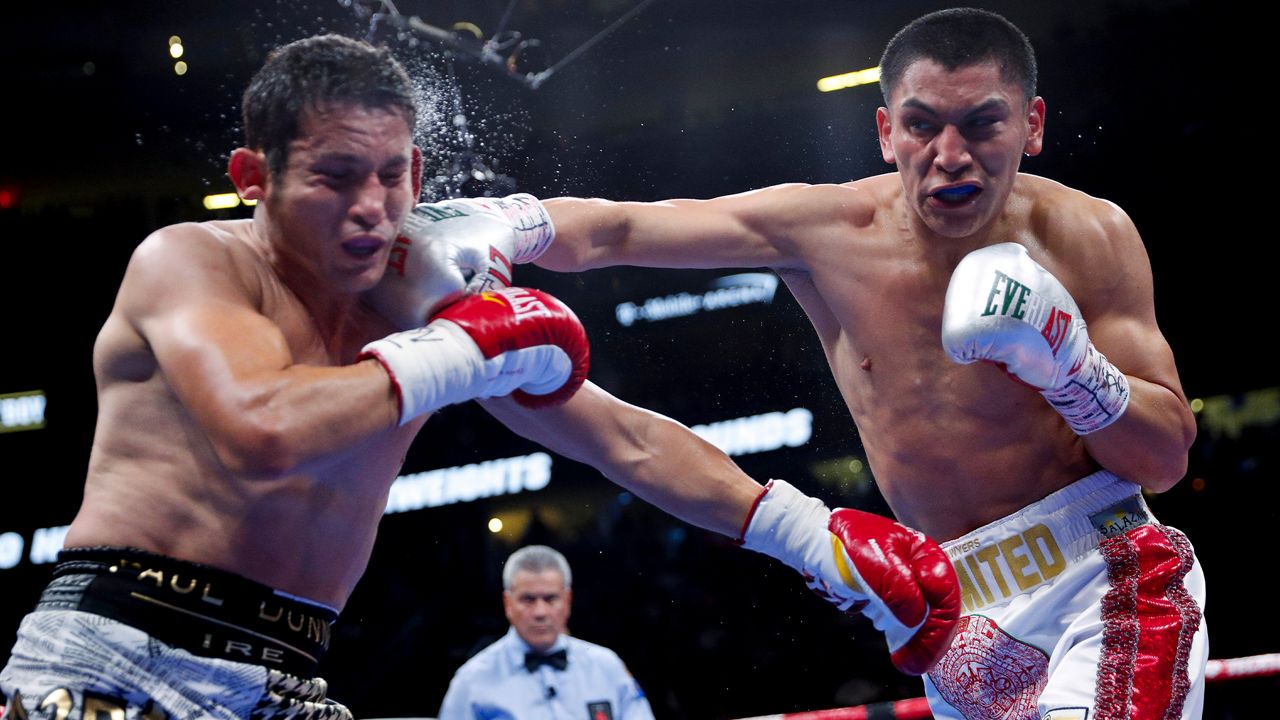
(1088, 243)
(1070, 226)
(197, 257)
(858, 201)
(808, 211)
(1059, 213)
(874, 201)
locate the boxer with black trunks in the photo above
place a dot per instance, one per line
(259, 382)
(947, 296)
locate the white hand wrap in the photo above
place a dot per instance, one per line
(1094, 397)
(533, 226)
(431, 367)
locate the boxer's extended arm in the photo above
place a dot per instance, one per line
(898, 575)
(231, 367)
(1149, 443)
(652, 456)
(760, 228)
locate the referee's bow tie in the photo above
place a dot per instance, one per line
(558, 660)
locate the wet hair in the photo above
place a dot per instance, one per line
(313, 73)
(535, 559)
(956, 38)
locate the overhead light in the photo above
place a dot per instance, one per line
(221, 201)
(22, 411)
(495, 525)
(869, 76)
(179, 68)
(175, 51)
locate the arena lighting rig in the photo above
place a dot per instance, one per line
(506, 51)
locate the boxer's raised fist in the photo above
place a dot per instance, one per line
(515, 341)
(1004, 307)
(864, 563)
(454, 246)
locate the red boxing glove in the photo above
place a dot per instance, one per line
(910, 574)
(864, 563)
(515, 341)
(522, 320)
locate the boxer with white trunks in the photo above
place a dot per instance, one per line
(258, 388)
(1078, 607)
(951, 299)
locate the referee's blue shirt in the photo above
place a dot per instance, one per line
(494, 685)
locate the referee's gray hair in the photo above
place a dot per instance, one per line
(535, 559)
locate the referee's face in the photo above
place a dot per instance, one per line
(537, 606)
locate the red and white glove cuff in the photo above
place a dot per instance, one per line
(792, 527)
(1094, 397)
(786, 524)
(532, 225)
(430, 367)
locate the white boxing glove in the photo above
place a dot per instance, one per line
(455, 246)
(1003, 307)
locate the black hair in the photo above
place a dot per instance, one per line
(956, 38)
(314, 72)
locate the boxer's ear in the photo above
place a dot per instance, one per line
(248, 172)
(416, 169)
(1035, 125)
(884, 127)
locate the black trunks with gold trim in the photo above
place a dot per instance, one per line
(203, 610)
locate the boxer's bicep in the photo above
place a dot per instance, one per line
(1119, 304)
(185, 299)
(1149, 443)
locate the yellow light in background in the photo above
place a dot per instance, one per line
(850, 79)
(1197, 405)
(175, 51)
(221, 201)
(495, 525)
(180, 68)
(22, 411)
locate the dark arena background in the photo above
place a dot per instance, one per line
(1150, 104)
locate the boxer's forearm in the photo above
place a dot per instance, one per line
(666, 465)
(1149, 443)
(589, 233)
(658, 459)
(280, 423)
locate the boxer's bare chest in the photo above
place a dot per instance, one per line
(949, 444)
(310, 345)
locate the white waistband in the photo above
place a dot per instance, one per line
(1022, 551)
